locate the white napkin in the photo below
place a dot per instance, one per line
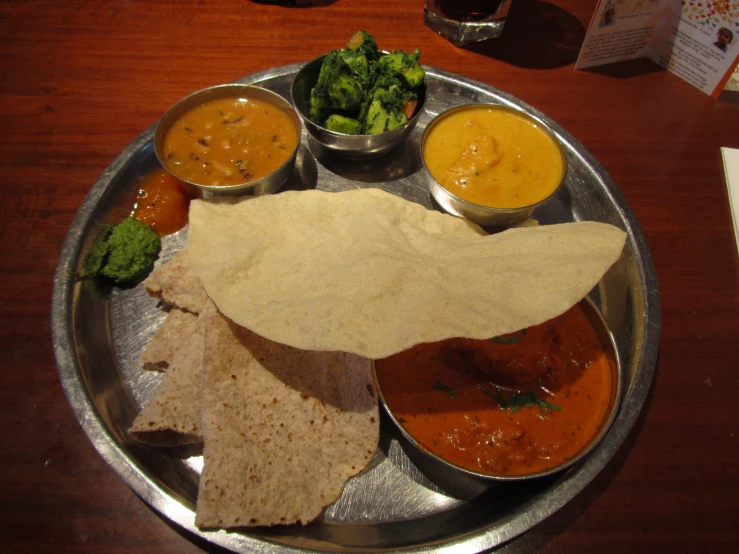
(731, 170)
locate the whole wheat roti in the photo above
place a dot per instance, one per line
(368, 272)
(172, 416)
(283, 428)
(174, 332)
(175, 283)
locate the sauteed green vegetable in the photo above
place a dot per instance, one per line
(360, 91)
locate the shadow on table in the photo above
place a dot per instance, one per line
(626, 68)
(731, 96)
(537, 35)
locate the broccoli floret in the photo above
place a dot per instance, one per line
(382, 84)
(384, 81)
(336, 87)
(342, 124)
(356, 65)
(124, 253)
(346, 93)
(403, 64)
(364, 43)
(355, 89)
(385, 112)
(379, 120)
(318, 110)
(389, 105)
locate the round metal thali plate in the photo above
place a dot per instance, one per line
(99, 333)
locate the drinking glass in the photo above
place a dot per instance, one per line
(466, 21)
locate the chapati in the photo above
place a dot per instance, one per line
(283, 428)
(176, 329)
(172, 416)
(176, 284)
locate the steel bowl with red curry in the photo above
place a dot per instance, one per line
(523, 404)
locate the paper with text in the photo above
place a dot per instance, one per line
(730, 157)
(733, 83)
(698, 41)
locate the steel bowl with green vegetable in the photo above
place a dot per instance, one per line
(358, 100)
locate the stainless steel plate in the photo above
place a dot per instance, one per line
(98, 335)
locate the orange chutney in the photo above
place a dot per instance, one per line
(162, 202)
(229, 141)
(515, 405)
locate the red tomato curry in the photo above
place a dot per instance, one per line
(513, 405)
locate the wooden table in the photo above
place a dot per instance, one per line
(79, 80)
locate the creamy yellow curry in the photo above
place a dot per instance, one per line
(494, 156)
(229, 141)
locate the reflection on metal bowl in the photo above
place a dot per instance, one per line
(357, 146)
(476, 414)
(98, 337)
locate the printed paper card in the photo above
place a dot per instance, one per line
(731, 172)
(733, 83)
(696, 40)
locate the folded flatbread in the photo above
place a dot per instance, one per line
(176, 284)
(174, 332)
(283, 428)
(172, 416)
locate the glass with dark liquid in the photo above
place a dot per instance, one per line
(466, 21)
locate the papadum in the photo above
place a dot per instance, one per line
(370, 273)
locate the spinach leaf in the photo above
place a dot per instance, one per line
(444, 387)
(520, 400)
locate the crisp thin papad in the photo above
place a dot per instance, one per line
(368, 272)
(176, 330)
(172, 416)
(175, 283)
(283, 428)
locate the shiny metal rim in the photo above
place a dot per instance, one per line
(536, 511)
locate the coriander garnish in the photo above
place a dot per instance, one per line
(521, 400)
(438, 385)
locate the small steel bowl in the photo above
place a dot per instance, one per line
(268, 184)
(357, 146)
(467, 484)
(485, 215)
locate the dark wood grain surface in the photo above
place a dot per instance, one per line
(79, 80)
